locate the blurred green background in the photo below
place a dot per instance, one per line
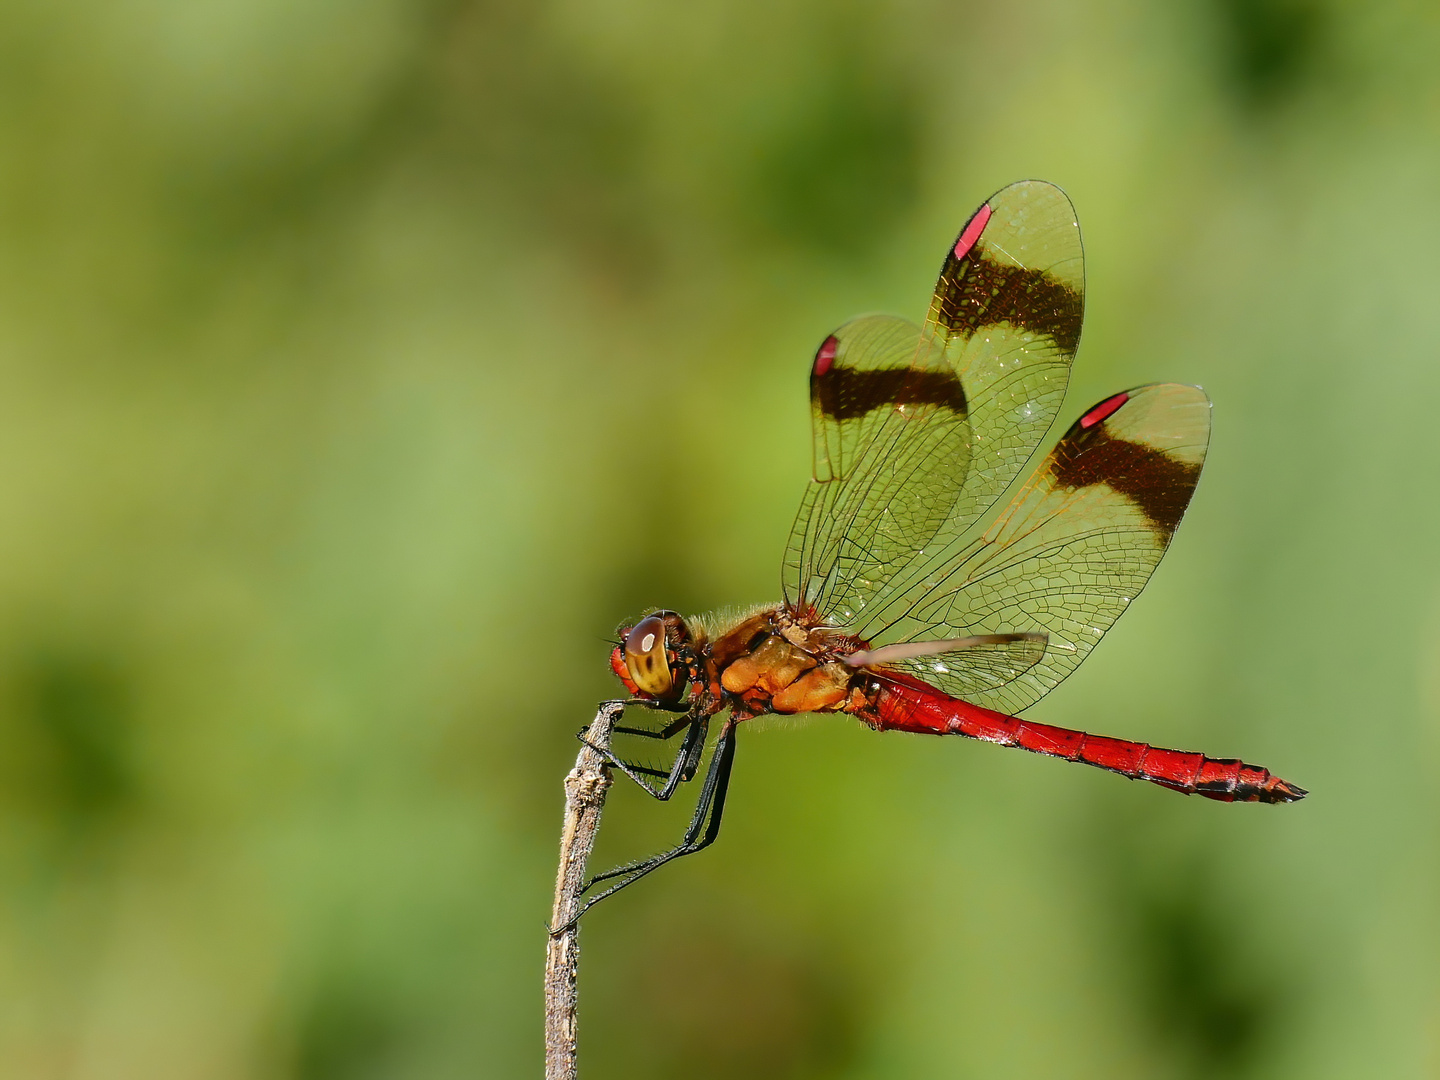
(365, 364)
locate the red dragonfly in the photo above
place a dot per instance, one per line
(907, 603)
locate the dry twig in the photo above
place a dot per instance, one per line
(585, 790)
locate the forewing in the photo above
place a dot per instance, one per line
(891, 449)
(917, 432)
(1009, 306)
(1077, 544)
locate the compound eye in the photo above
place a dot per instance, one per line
(645, 656)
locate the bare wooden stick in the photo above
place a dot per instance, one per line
(585, 790)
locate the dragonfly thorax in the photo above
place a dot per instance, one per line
(760, 661)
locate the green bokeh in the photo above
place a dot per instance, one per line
(364, 365)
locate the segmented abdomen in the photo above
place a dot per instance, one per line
(905, 704)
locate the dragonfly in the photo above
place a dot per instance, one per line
(910, 603)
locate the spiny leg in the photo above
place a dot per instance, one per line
(687, 759)
(711, 803)
(704, 826)
(664, 734)
(682, 770)
(706, 792)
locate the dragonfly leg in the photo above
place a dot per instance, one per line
(682, 770)
(704, 827)
(651, 703)
(666, 733)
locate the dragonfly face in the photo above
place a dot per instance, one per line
(647, 659)
(897, 608)
(656, 657)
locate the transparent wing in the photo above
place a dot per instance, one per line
(918, 430)
(892, 450)
(974, 671)
(1066, 557)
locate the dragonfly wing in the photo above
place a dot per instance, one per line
(918, 431)
(1066, 557)
(1009, 305)
(977, 670)
(892, 448)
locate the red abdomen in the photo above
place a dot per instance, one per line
(907, 704)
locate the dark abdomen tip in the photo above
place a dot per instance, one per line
(1281, 791)
(1228, 780)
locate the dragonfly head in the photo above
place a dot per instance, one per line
(650, 664)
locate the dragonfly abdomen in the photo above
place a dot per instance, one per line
(903, 704)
